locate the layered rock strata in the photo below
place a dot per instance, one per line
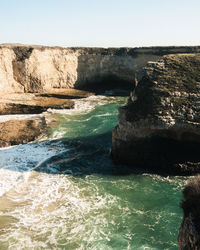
(15, 131)
(29, 103)
(189, 233)
(159, 128)
(35, 106)
(38, 68)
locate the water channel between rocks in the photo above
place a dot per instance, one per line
(64, 192)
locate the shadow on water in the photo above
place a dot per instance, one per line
(78, 157)
(60, 96)
(85, 156)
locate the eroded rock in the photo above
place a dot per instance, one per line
(189, 233)
(14, 132)
(26, 68)
(35, 106)
(159, 129)
(27, 103)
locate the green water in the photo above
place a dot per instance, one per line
(66, 193)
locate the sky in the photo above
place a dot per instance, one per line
(100, 23)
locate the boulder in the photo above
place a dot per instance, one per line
(14, 132)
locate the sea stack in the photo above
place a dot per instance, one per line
(160, 128)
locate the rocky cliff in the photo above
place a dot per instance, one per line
(50, 75)
(159, 128)
(37, 69)
(189, 233)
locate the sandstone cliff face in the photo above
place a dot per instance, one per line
(160, 126)
(37, 69)
(7, 79)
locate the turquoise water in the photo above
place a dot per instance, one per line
(64, 192)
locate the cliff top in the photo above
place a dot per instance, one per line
(157, 50)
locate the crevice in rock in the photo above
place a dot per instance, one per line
(22, 53)
(30, 83)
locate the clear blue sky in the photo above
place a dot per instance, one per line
(100, 23)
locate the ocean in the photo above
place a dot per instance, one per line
(64, 192)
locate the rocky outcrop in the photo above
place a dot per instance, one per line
(38, 68)
(35, 105)
(28, 103)
(159, 128)
(189, 233)
(15, 132)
